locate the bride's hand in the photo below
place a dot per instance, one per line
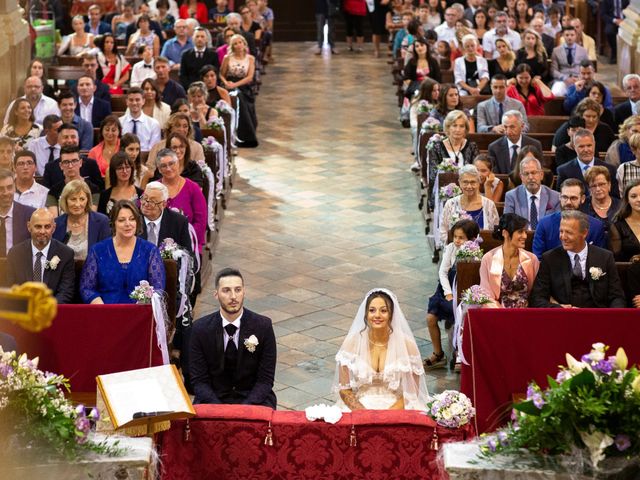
(399, 405)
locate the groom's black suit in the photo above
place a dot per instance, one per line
(555, 280)
(252, 382)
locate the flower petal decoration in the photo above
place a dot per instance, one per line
(621, 359)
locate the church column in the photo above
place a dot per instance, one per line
(15, 50)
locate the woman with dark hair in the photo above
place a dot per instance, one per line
(490, 185)
(181, 123)
(480, 23)
(441, 302)
(121, 179)
(115, 69)
(449, 101)
(153, 106)
(600, 204)
(624, 232)
(531, 91)
(124, 260)
(110, 132)
(507, 272)
(21, 126)
(143, 36)
(378, 366)
(119, 23)
(186, 166)
(523, 15)
(597, 91)
(130, 144)
(435, 17)
(209, 76)
(421, 66)
(37, 68)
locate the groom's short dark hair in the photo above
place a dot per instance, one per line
(228, 272)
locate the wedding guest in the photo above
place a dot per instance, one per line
(70, 163)
(533, 54)
(115, 68)
(591, 111)
(7, 149)
(572, 197)
(481, 23)
(90, 108)
(43, 259)
(38, 69)
(194, 59)
(13, 229)
(449, 101)
(119, 23)
(194, 9)
(629, 172)
(21, 126)
(490, 185)
(577, 274)
(582, 88)
(631, 86)
(500, 31)
(121, 179)
(135, 121)
(531, 200)
(529, 90)
(95, 26)
(600, 204)
(567, 152)
(110, 133)
(470, 204)
(180, 123)
(79, 41)
(125, 260)
(46, 148)
(471, 72)
(441, 302)
(144, 68)
(154, 107)
(170, 90)
(507, 272)
(504, 151)
(421, 66)
(505, 62)
(90, 66)
(130, 144)
(186, 166)
(27, 190)
(68, 104)
(201, 112)
(620, 151)
(144, 36)
(490, 112)
(225, 376)
(565, 62)
(40, 104)
(209, 76)
(173, 48)
(624, 237)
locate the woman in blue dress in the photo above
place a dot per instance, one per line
(115, 266)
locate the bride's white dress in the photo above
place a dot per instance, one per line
(377, 395)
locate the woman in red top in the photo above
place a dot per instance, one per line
(354, 13)
(531, 91)
(194, 9)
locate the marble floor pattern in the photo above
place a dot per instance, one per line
(324, 210)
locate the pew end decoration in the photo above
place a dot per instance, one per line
(475, 295)
(31, 306)
(35, 417)
(470, 251)
(588, 419)
(449, 191)
(143, 293)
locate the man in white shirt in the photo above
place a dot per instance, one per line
(447, 30)
(13, 216)
(135, 121)
(91, 108)
(502, 31)
(144, 68)
(46, 148)
(41, 104)
(28, 191)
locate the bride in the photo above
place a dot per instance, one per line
(379, 366)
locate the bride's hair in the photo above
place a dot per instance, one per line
(388, 302)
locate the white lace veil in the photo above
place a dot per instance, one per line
(403, 371)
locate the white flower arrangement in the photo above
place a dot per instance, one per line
(216, 123)
(449, 191)
(209, 143)
(52, 264)
(169, 249)
(142, 293)
(596, 273)
(223, 107)
(251, 343)
(329, 413)
(451, 409)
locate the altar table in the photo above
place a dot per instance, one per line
(507, 348)
(228, 442)
(89, 340)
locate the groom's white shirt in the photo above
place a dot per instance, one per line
(236, 323)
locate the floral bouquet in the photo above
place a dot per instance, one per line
(470, 251)
(449, 191)
(209, 143)
(223, 107)
(433, 140)
(169, 249)
(34, 408)
(592, 408)
(424, 107)
(448, 165)
(216, 123)
(474, 295)
(457, 216)
(142, 293)
(451, 409)
(431, 125)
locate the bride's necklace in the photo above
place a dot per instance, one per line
(378, 344)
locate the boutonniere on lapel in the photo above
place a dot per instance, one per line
(251, 343)
(52, 264)
(596, 273)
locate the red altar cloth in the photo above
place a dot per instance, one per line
(228, 442)
(507, 348)
(89, 340)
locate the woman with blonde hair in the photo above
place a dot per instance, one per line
(506, 61)
(629, 172)
(533, 54)
(620, 151)
(79, 41)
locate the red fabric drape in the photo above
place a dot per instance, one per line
(508, 348)
(89, 340)
(227, 442)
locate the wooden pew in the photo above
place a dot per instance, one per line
(68, 61)
(67, 72)
(118, 103)
(546, 123)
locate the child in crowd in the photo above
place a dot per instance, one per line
(394, 22)
(144, 68)
(164, 18)
(218, 14)
(407, 17)
(491, 186)
(441, 303)
(444, 50)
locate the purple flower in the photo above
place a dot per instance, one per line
(538, 401)
(531, 391)
(503, 438)
(562, 376)
(94, 414)
(586, 358)
(622, 442)
(5, 370)
(603, 366)
(492, 444)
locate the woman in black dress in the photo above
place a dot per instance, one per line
(533, 54)
(624, 232)
(209, 76)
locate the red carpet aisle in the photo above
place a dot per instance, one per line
(324, 210)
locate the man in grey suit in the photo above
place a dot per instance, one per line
(531, 199)
(565, 62)
(504, 151)
(490, 111)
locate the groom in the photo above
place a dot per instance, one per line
(233, 351)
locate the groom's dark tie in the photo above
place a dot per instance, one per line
(230, 353)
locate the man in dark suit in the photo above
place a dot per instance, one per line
(504, 151)
(631, 86)
(90, 66)
(585, 146)
(234, 21)
(233, 351)
(194, 59)
(547, 236)
(612, 16)
(68, 137)
(576, 274)
(95, 25)
(90, 108)
(13, 215)
(43, 259)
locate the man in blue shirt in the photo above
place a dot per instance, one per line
(580, 89)
(67, 103)
(175, 47)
